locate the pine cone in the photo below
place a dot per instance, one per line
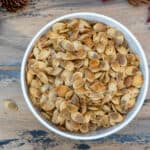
(138, 2)
(13, 5)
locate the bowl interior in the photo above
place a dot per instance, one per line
(133, 44)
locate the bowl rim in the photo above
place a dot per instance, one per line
(41, 119)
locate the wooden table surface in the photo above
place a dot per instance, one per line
(20, 130)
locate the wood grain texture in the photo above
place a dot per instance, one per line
(20, 130)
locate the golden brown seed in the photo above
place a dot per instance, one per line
(110, 50)
(58, 81)
(99, 27)
(115, 66)
(66, 76)
(116, 100)
(44, 54)
(69, 94)
(137, 81)
(84, 128)
(100, 48)
(74, 36)
(106, 108)
(122, 50)
(77, 117)
(48, 105)
(78, 63)
(36, 83)
(104, 65)
(55, 62)
(77, 45)
(89, 76)
(72, 126)
(29, 77)
(86, 62)
(67, 45)
(125, 98)
(62, 90)
(72, 23)
(36, 52)
(133, 91)
(130, 70)
(72, 108)
(69, 65)
(94, 63)
(88, 41)
(39, 65)
(78, 84)
(115, 118)
(55, 117)
(35, 92)
(98, 87)
(122, 59)
(44, 88)
(59, 101)
(131, 103)
(119, 38)
(80, 54)
(93, 55)
(111, 32)
(43, 77)
(77, 76)
(112, 86)
(120, 84)
(57, 27)
(128, 81)
(63, 106)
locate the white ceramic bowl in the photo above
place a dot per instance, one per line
(133, 43)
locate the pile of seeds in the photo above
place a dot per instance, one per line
(82, 76)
